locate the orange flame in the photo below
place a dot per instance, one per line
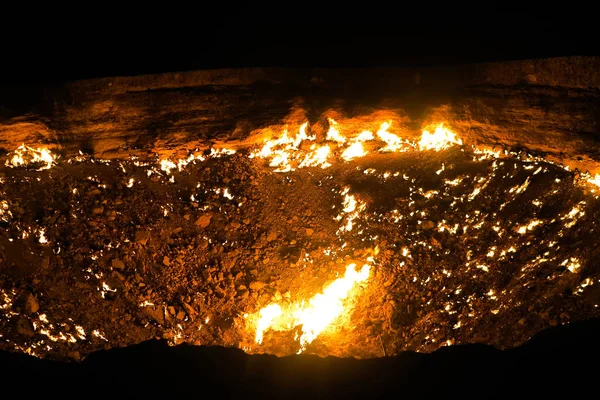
(440, 139)
(25, 155)
(317, 314)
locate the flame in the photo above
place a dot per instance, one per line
(302, 135)
(167, 166)
(284, 149)
(356, 149)
(25, 155)
(333, 134)
(440, 139)
(325, 307)
(317, 158)
(529, 227)
(364, 136)
(353, 151)
(267, 315)
(394, 142)
(595, 180)
(352, 209)
(42, 238)
(286, 153)
(315, 315)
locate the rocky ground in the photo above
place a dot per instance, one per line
(466, 248)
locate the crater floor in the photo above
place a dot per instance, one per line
(464, 247)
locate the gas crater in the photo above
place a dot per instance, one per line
(355, 238)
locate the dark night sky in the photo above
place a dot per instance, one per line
(67, 48)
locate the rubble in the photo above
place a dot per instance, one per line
(454, 261)
(31, 304)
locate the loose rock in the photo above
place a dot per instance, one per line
(204, 220)
(142, 237)
(25, 326)
(31, 304)
(118, 264)
(427, 225)
(256, 285)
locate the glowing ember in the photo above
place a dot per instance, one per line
(572, 264)
(167, 166)
(42, 238)
(352, 209)
(523, 229)
(315, 315)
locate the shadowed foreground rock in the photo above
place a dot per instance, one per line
(555, 360)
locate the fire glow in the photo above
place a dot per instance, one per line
(25, 155)
(315, 315)
(417, 211)
(288, 153)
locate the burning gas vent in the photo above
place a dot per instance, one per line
(347, 239)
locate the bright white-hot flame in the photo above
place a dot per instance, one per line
(315, 315)
(280, 159)
(25, 155)
(572, 264)
(267, 315)
(333, 133)
(80, 332)
(354, 150)
(317, 158)
(440, 139)
(218, 153)
(364, 136)
(325, 307)
(349, 202)
(352, 209)
(302, 135)
(42, 238)
(286, 153)
(394, 142)
(167, 166)
(486, 153)
(285, 150)
(595, 180)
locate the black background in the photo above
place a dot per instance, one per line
(109, 40)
